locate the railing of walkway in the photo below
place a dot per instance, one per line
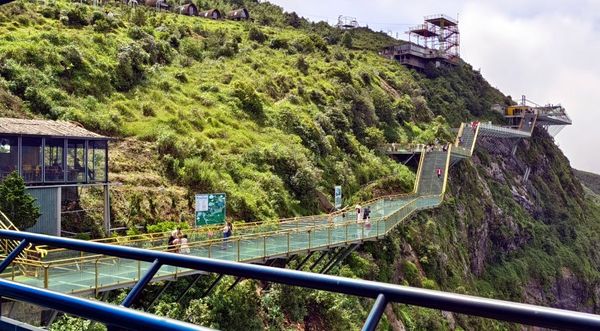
(92, 272)
(383, 293)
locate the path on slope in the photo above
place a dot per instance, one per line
(69, 271)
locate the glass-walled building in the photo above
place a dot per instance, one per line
(44, 155)
(52, 157)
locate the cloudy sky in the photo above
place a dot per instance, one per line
(548, 50)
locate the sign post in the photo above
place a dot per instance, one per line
(338, 197)
(210, 208)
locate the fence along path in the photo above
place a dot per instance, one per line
(76, 272)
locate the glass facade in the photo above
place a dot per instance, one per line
(54, 166)
(42, 160)
(97, 161)
(9, 155)
(32, 160)
(76, 161)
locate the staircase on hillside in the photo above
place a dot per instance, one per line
(429, 183)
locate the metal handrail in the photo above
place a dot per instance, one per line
(464, 304)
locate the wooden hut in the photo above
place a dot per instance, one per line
(158, 4)
(188, 9)
(239, 14)
(214, 14)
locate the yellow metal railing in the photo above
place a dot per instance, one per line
(251, 242)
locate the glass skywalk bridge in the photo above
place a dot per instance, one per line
(77, 272)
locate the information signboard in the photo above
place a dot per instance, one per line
(338, 197)
(210, 208)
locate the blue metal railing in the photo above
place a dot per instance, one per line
(383, 293)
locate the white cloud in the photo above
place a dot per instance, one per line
(545, 49)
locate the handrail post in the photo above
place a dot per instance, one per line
(46, 267)
(238, 249)
(264, 247)
(288, 243)
(209, 249)
(309, 239)
(96, 276)
(139, 269)
(346, 232)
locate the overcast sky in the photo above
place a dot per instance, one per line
(548, 50)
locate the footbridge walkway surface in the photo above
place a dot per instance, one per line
(85, 273)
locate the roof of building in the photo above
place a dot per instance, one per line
(45, 128)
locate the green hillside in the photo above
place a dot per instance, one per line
(275, 112)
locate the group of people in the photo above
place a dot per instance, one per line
(363, 216)
(178, 242)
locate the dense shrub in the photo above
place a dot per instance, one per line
(347, 40)
(257, 35)
(249, 100)
(279, 43)
(78, 15)
(130, 69)
(191, 48)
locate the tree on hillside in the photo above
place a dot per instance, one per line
(347, 40)
(19, 206)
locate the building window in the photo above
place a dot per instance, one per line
(97, 152)
(9, 155)
(53, 160)
(32, 160)
(76, 161)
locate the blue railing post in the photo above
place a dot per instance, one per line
(375, 314)
(15, 252)
(137, 289)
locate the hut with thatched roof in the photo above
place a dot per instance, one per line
(188, 9)
(214, 14)
(158, 4)
(239, 14)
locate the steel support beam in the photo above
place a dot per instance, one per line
(341, 258)
(160, 293)
(212, 285)
(333, 258)
(303, 262)
(321, 257)
(187, 289)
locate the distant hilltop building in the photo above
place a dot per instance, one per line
(436, 41)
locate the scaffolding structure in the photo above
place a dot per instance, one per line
(346, 22)
(435, 41)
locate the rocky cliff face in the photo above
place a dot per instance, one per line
(501, 235)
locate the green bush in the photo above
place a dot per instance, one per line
(279, 43)
(165, 226)
(257, 35)
(191, 48)
(18, 205)
(78, 15)
(130, 70)
(249, 100)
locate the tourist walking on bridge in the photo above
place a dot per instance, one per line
(184, 247)
(439, 172)
(359, 213)
(227, 232)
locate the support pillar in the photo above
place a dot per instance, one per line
(58, 211)
(106, 209)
